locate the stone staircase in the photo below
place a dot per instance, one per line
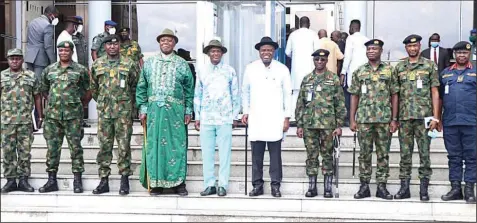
(293, 206)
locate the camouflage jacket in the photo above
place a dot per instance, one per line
(132, 50)
(414, 102)
(81, 49)
(374, 101)
(18, 92)
(98, 44)
(65, 87)
(113, 84)
(326, 107)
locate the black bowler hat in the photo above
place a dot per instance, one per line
(413, 38)
(266, 41)
(376, 42)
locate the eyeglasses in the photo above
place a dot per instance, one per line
(320, 59)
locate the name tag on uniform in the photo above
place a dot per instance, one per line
(318, 88)
(364, 89)
(419, 84)
(446, 89)
(309, 96)
(122, 84)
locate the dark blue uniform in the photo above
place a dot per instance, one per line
(459, 121)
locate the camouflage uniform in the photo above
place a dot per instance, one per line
(64, 112)
(133, 51)
(373, 117)
(414, 105)
(81, 49)
(113, 84)
(18, 92)
(98, 44)
(319, 118)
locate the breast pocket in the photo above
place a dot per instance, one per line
(6, 85)
(383, 83)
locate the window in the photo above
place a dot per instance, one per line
(7, 31)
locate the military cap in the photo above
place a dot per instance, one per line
(72, 19)
(124, 29)
(474, 30)
(110, 23)
(321, 53)
(65, 44)
(413, 38)
(462, 45)
(79, 19)
(111, 38)
(377, 42)
(14, 52)
(167, 32)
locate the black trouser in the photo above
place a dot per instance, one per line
(275, 171)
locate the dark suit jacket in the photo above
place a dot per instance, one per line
(40, 49)
(444, 57)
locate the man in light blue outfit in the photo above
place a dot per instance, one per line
(216, 106)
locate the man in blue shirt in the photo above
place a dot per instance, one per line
(216, 106)
(458, 94)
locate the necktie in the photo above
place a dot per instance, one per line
(435, 56)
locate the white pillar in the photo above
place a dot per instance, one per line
(268, 19)
(356, 10)
(98, 12)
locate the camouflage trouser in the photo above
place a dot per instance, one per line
(54, 132)
(407, 131)
(108, 129)
(16, 139)
(378, 134)
(317, 140)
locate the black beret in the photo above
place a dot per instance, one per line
(321, 53)
(413, 38)
(462, 45)
(377, 42)
(111, 38)
(124, 29)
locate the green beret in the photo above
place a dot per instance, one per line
(111, 38)
(321, 53)
(412, 39)
(462, 45)
(14, 52)
(376, 42)
(65, 44)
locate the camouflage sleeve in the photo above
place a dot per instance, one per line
(36, 85)
(434, 76)
(442, 87)
(44, 82)
(96, 43)
(394, 82)
(354, 88)
(85, 79)
(139, 52)
(94, 85)
(339, 104)
(133, 73)
(300, 106)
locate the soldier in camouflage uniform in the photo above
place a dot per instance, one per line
(320, 113)
(97, 48)
(418, 98)
(374, 93)
(64, 84)
(113, 84)
(19, 91)
(130, 48)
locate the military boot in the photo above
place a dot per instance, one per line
(24, 186)
(103, 186)
(455, 193)
(312, 191)
(404, 191)
(423, 192)
(469, 193)
(77, 183)
(10, 186)
(124, 188)
(382, 192)
(328, 185)
(51, 185)
(363, 190)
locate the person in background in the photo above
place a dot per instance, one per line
(336, 37)
(473, 52)
(97, 48)
(344, 36)
(71, 27)
(439, 55)
(334, 52)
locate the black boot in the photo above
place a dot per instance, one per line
(51, 185)
(77, 183)
(103, 186)
(404, 191)
(469, 193)
(24, 186)
(10, 186)
(124, 188)
(455, 193)
(328, 186)
(423, 193)
(382, 192)
(276, 191)
(181, 190)
(312, 191)
(363, 190)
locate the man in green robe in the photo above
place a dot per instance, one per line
(164, 96)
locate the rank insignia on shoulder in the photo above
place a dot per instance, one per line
(447, 75)
(471, 74)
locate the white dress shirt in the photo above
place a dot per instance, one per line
(64, 36)
(432, 49)
(266, 99)
(300, 45)
(355, 55)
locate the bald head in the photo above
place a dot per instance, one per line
(322, 33)
(336, 36)
(304, 22)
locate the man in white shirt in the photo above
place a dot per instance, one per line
(355, 56)
(71, 28)
(266, 99)
(301, 44)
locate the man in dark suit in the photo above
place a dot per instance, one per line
(438, 54)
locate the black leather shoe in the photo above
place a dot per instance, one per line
(363, 190)
(77, 183)
(257, 191)
(469, 194)
(208, 191)
(382, 192)
(24, 186)
(156, 191)
(124, 187)
(181, 190)
(404, 191)
(222, 192)
(10, 186)
(276, 191)
(312, 191)
(455, 193)
(51, 185)
(328, 185)
(423, 192)
(103, 186)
